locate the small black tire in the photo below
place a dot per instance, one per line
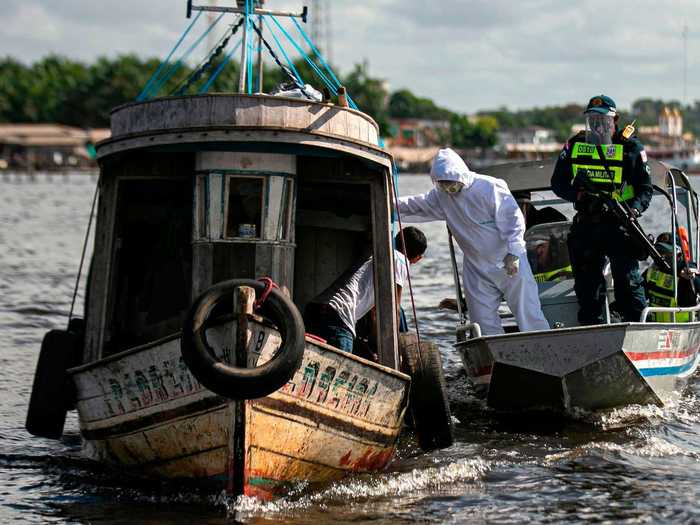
(428, 403)
(53, 394)
(235, 382)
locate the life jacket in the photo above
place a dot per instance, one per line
(660, 293)
(558, 274)
(586, 162)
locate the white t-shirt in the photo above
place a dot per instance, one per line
(352, 295)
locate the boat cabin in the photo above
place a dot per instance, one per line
(196, 190)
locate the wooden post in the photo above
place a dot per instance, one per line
(243, 300)
(385, 289)
(244, 58)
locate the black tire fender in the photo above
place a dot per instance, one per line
(427, 399)
(235, 382)
(53, 393)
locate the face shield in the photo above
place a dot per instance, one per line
(450, 186)
(599, 128)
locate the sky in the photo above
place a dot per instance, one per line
(467, 55)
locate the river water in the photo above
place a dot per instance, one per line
(638, 464)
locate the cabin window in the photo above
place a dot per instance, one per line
(287, 212)
(244, 207)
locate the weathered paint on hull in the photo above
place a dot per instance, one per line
(142, 410)
(585, 367)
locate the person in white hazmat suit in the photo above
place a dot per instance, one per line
(485, 220)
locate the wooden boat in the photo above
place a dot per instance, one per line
(179, 371)
(590, 367)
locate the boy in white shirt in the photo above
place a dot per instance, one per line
(333, 313)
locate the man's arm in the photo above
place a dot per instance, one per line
(562, 176)
(398, 305)
(509, 221)
(421, 208)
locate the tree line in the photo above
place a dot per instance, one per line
(61, 90)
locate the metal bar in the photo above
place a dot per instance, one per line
(666, 309)
(461, 304)
(674, 233)
(258, 11)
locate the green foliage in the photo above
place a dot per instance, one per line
(61, 90)
(370, 95)
(480, 133)
(404, 104)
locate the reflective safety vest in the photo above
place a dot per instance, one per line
(557, 274)
(586, 162)
(660, 292)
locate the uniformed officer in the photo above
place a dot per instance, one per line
(581, 176)
(660, 288)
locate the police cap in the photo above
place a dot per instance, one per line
(602, 104)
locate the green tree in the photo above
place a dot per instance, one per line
(370, 95)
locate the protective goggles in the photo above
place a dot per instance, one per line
(450, 186)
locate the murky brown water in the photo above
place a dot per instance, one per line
(638, 464)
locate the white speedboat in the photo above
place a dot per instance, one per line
(586, 367)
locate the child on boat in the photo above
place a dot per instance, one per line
(334, 313)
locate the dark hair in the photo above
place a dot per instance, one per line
(416, 243)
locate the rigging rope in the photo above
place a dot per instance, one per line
(327, 67)
(249, 47)
(176, 66)
(284, 53)
(85, 242)
(141, 95)
(303, 54)
(196, 75)
(395, 194)
(219, 69)
(277, 61)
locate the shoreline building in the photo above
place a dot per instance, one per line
(667, 141)
(48, 146)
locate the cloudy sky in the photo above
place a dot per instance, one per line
(465, 54)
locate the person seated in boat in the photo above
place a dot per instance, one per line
(604, 162)
(334, 313)
(485, 220)
(659, 284)
(534, 216)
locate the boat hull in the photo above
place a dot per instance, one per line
(590, 368)
(142, 410)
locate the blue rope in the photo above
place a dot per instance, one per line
(311, 63)
(303, 54)
(167, 59)
(178, 64)
(220, 68)
(313, 47)
(327, 67)
(284, 53)
(260, 79)
(249, 45)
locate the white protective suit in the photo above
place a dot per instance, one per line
(487, 224)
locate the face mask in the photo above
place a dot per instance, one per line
(450, 186)
(599, 128)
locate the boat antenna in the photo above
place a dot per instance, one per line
(85, 242)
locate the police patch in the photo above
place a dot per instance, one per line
(563, 153)
(643, 154)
